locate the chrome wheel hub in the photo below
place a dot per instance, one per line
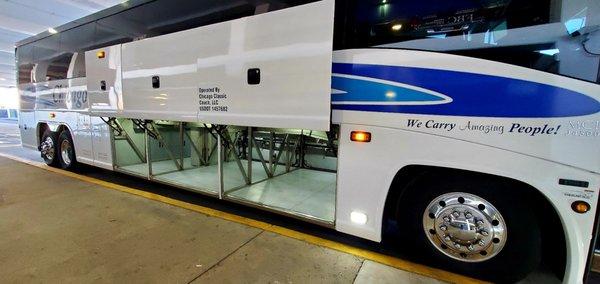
(464, 226)
(65, 151)
(47, 148)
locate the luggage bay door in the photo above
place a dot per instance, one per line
(267, 70)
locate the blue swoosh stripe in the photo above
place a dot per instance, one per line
(473, 94)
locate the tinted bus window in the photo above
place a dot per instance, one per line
(76, 42)
(168, 16)
(50, 63)
(555, 36)
(24, 63)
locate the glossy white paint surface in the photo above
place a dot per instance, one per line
(107, 69)
(293, 53)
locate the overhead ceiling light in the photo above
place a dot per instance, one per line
(396, 27)
(52, 30)
(2, 79)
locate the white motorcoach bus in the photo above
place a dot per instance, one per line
(467, 131)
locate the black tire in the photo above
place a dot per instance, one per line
(49, 148)
(66, 147)
(521, 253)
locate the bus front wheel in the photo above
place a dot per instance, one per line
(474, 225)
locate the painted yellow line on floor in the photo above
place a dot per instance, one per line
(363, 253)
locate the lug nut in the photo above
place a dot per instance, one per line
(481, 243)
(468, 215)
(455, 214)
(484, 232)
(457, 245)
(447, 238)
(446, 219)
(443, 228)
(470, 247)
(480, 223)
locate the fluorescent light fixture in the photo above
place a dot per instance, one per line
(52, 30)
(2, 79)
(396, 27)
(358, 217)
(550, 52)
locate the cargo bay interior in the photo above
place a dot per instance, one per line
(289, 170)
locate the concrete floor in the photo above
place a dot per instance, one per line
(56, 228)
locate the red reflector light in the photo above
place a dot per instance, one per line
(360, 136)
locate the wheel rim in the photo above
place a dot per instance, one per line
(47, 148)
(65, 152)
(465, 227)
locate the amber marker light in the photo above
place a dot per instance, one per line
(52, 115)
(100, 54)
(580, 206)
(360, 136)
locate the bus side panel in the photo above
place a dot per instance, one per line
(102, 145)
(27, 127)
(510, 107)
(267, 70)
(27, 122)
(103, 76)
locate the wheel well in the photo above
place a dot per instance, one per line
(42, 126)
(61, 128)
(553, 255)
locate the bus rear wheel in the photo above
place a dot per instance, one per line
(66, 151)
(474, 225)
(49, 148)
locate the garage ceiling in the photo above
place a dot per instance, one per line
(20, 19)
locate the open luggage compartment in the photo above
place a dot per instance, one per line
(173, 109)
(290, 171)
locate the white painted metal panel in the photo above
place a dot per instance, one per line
(105, 69)
(27, 128)
(203, 71)
(101, 143)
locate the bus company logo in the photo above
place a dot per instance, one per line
(76, 99)
(73, 99)
(58, 95)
